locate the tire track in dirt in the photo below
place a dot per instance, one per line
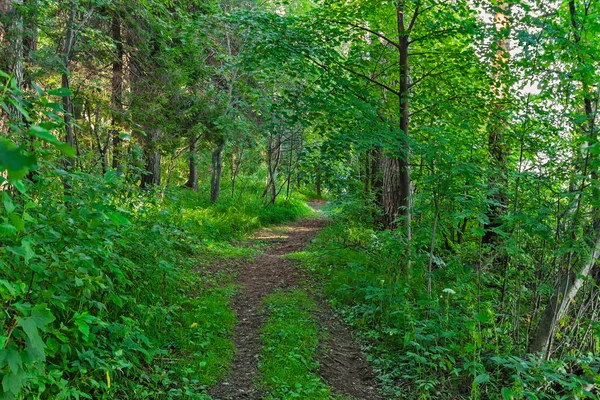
(342, 365)
(268, 272)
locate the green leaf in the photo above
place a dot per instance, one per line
(62, 92)
(9, 287)
(31, 330)
(483, 378)
(9, 206)
(17, 222)
(117, 218)
(39, 318)
(21, 187)
(66, 150)
(507, 394)
(12, 383)
(44, 134)
(42, 315)
(7, 229)
(125, 137)
(83, 327)
(20, 109)
(13, 357)
(13, 160)
(37, 88)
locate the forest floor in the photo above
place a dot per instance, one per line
(341, 364)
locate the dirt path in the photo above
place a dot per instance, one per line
(341, 363)
(259, 278)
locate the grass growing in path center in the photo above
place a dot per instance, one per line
(290, 339)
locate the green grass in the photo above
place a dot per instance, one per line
(125, 293)
(290, 339)
(195, 331)
(311, 195)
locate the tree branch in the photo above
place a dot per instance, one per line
(379, 35)
(413, 19)
(433, 34)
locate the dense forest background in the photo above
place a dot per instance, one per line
(457, 142)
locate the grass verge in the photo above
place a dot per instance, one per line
(290, 339)
(114, 293)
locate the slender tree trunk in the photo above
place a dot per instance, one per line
(11, 44)
(236, 163)
(192, 181)
(273, 159)
(217, 169)
(117, 90)
(569, 284)
(67, 101)
(11, 39)
(570, 281)
(30, 33)
(5, 9)
(151, 176)
(16, 45)
(318, 180)
(290, 167)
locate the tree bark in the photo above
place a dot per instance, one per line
(151, 176)
(318, 188)
(569, 284)
(192, 181)
(395, 165)
(236, 163)
(117, 90)
(16, 45)
(11, 44)
(569, 281)
(67, 101)
(273, 159)
(217, 169)
(497, 148)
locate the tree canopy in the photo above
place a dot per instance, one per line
(456, 141)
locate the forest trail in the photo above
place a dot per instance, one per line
(342, 365)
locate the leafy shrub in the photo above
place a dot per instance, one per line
(103, 289)
(450, 344)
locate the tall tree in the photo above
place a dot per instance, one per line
(577, 269)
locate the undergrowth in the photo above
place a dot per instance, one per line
(106, 291)
(455, 342)
(290, 339)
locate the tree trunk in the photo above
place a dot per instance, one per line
(192, 181)
(396, 174)
(31, 32)
(67, 102)
(11, 39)
(318, 180)
(236, 163)
(117, 90)
(497, 148)
(569, 284)
(273, 159)
(151, 176)
(11, 44)
(16, 45)
(569, 281)
(217, 169)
